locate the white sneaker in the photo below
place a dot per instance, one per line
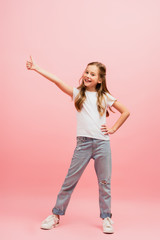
(107, 225)
(50, 222)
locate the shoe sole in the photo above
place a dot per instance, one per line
(109, 232)
(53, 226)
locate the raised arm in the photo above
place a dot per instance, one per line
(31, 65)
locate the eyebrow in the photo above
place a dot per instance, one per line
(91, 72)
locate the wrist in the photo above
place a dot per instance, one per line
(114, 129)
(37, 68)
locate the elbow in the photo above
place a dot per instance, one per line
(127, 113)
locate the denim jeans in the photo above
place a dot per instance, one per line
(88, 148)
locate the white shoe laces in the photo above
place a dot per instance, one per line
(50, 218)
(108, 222)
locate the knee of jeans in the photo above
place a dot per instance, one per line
(104, 181)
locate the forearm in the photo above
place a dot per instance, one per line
(120, 121)
(47, 75)
(62, 85)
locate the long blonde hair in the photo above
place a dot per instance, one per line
(101, 89)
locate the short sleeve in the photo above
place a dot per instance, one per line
(110, 100)
(75, 92)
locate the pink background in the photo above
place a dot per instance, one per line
(38, 123)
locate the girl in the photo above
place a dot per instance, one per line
(92, 101)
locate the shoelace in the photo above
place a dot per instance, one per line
(108, 221)
(50, 219)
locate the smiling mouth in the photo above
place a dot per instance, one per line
(86, 80)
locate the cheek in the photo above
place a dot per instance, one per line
(95, 79)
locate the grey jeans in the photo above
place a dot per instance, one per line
(100, 151)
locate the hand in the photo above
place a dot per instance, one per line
(31, 65)
(106, 130)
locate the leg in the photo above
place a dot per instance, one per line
(103, 168)
(81, 157)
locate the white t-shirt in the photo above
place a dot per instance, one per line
(89, 120)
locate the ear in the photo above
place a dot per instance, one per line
(99, 80)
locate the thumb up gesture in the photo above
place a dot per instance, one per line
(31, 65)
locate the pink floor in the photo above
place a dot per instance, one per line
(21, 216)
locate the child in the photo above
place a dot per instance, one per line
(92, 100)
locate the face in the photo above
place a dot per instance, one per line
(91, 77)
